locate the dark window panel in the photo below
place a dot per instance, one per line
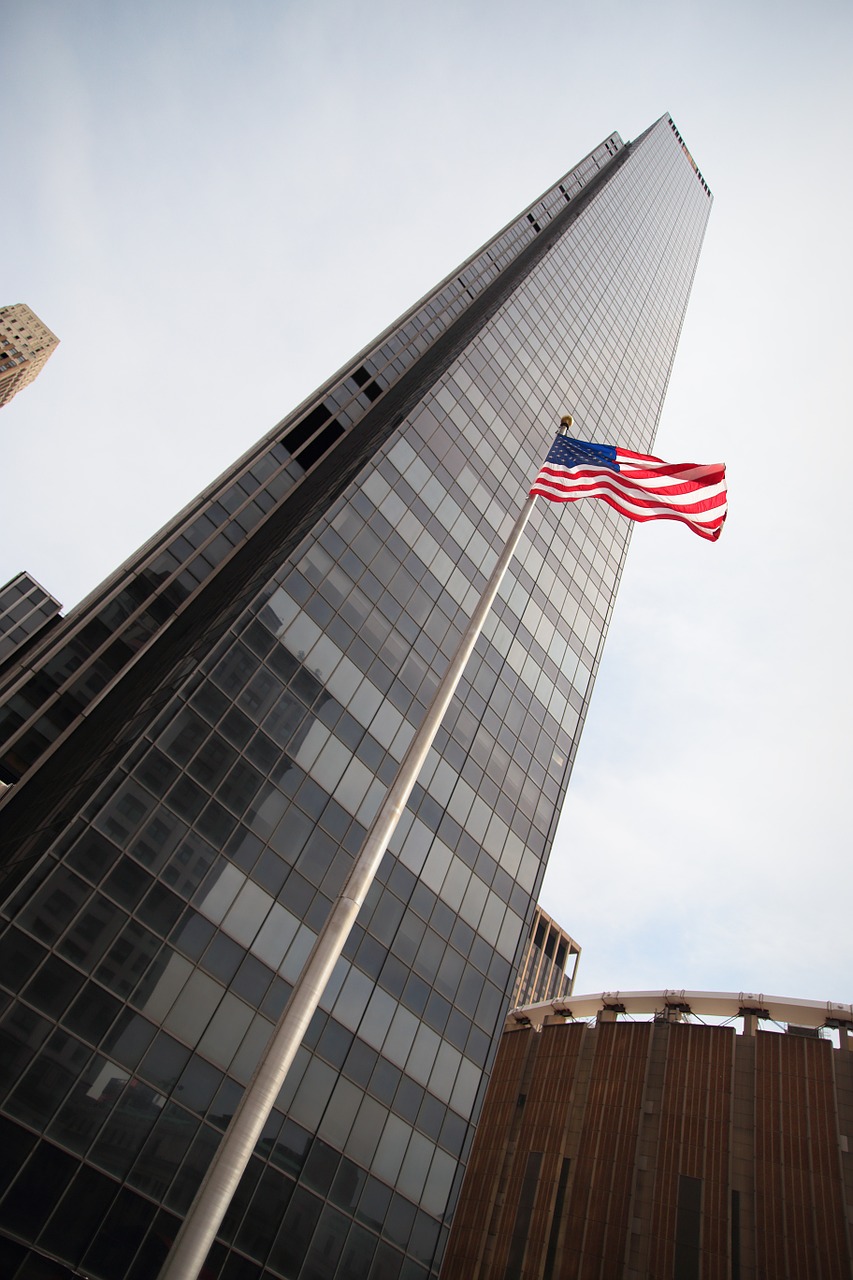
(19, 957)
(26, 1207)
(268, 1204)
(193, 1169)
(121, 1234)
(92, 1013)
(297, 1228)
(155, 1248)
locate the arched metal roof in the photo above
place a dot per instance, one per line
(725, 1004)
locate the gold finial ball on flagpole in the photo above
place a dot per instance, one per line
(567, 421)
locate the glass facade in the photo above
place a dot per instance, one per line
(196, 751)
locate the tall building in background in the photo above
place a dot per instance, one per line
(549, 963)
(26, 345)
(194, 753)
(25, 609)
(661, 1147)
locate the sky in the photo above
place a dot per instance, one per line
(216, 205)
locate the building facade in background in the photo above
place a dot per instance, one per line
(549, 964)
(662, 1147)
(194, 754)
(26, 345)
(25, 609)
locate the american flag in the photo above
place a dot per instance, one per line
(637, 485)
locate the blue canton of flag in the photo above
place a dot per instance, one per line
(566, 452)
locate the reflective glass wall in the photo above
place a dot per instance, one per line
(160, 911)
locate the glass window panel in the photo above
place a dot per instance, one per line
(339, 1114)
(245, 917)
(219, 890)
(275, 936)
(327, 1245)
(160, 909)
(291, 1147)
(193, 1169)
(400, 1036)
(222, 958)
(154, 1250)
(225, 1031)
(121, 1234)
(125, 1128)
(162, 984)
(364, 1135)
(270, 872)
(251, 980)
(408, 1099)
(384, 1080)
(79, 1118)
(453, 1133)
(194, 1007)
(158, 839)
(92, 855)
(128, 959)
(399, 1220)
(198, 1084)
(128, 1039)
(47, 1080)
(444, 1072)
(377, 1018)
(268, 1204)
(92, 932)
(313, 1093)
(225, 1104)
(164, 1062)
(391, 1149)
(53, 987)
(92, 1013)
(297, 1228)
(334, 1043)
(357, 1254)
(54, 905)
(248, 1055)
(465, 1088)
(386, 1263)
(84, 1205)
(19, 957)
(438, 1183)
(36, 1190)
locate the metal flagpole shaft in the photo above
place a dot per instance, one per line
(226, 1167)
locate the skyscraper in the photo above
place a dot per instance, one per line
(195, 751)
(26, 345)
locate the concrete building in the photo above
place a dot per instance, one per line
(662, 1147)
(194, 753)
(26, 345)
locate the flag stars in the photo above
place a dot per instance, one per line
(567, 452)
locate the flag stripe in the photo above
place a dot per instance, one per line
(685, 498)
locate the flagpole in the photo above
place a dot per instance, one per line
(211, 1202)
